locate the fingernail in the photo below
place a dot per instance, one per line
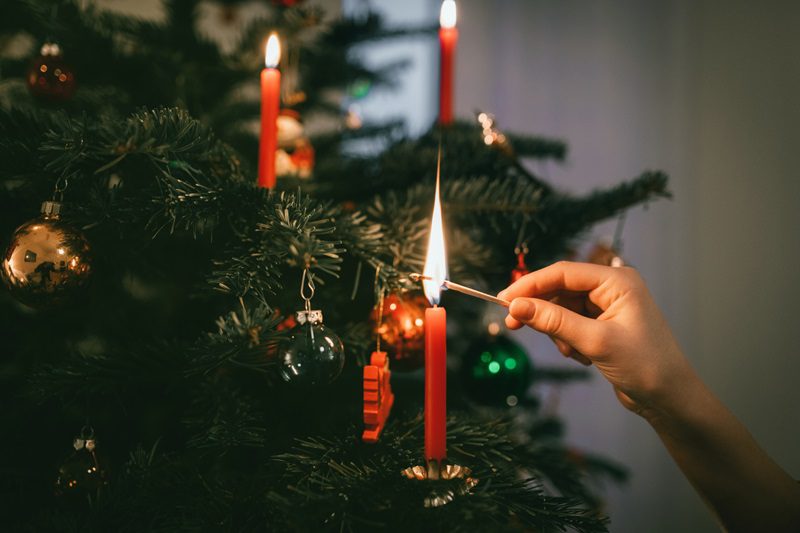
(502, 294)
(522, 309)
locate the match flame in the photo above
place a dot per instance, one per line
(447, 15)
(272, 55)
(436, 260)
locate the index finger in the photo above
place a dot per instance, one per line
(564, 275)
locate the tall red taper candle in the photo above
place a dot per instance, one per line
(448, 36)
(270, 105)
(435, 384)
(435, 272)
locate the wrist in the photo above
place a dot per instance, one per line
(678, 403)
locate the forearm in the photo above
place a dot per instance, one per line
(738, 480)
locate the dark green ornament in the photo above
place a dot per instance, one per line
(82, 473)
(496, 371)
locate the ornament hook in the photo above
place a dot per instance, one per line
(87, 432)
(307, 281)
(58, 190)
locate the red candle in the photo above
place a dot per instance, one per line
(448, 36)
(435, 339)
(435, 384)
(270, 104)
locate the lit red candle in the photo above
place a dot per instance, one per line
(435, 340)
(270, 104)
(448, 36)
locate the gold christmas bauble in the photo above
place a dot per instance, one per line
(401, 328)
(47, 261)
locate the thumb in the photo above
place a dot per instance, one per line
(546, 317)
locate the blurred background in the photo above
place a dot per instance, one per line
(707, 90)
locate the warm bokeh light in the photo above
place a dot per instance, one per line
(272, 55)
(436, 259)
(447, 15)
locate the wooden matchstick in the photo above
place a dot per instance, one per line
(465, 290)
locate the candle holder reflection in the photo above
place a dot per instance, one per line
(440, 471)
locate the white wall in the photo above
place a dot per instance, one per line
(708, 91)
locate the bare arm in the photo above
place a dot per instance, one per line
(605, 316)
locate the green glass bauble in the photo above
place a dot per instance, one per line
(496, 371)
(82, 472)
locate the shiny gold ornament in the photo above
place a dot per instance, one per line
(47, 261)
(401, 327)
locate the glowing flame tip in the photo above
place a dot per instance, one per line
(436, 259)
(447, 14)
(272, 55)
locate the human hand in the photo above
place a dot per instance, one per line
(605, 316)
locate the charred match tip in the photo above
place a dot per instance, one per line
(418, 277)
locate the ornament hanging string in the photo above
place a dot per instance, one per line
(521, 250)
(618, 243)
(381, 291)
(522, 241)
(356, 281)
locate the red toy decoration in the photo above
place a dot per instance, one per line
(295, 155)
(522, 268)
(378, 396)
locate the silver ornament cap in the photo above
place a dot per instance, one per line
(51, 209)
(312, 316)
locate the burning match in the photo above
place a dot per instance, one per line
(464, 290)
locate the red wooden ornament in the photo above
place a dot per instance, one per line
(378, 396)
(521, 269)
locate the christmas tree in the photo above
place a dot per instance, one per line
(150, 314)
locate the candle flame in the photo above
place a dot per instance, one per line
(436, 260)
(447, 15)
(272, 55)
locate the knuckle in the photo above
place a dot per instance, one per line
(632, 275)
(551, 320)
